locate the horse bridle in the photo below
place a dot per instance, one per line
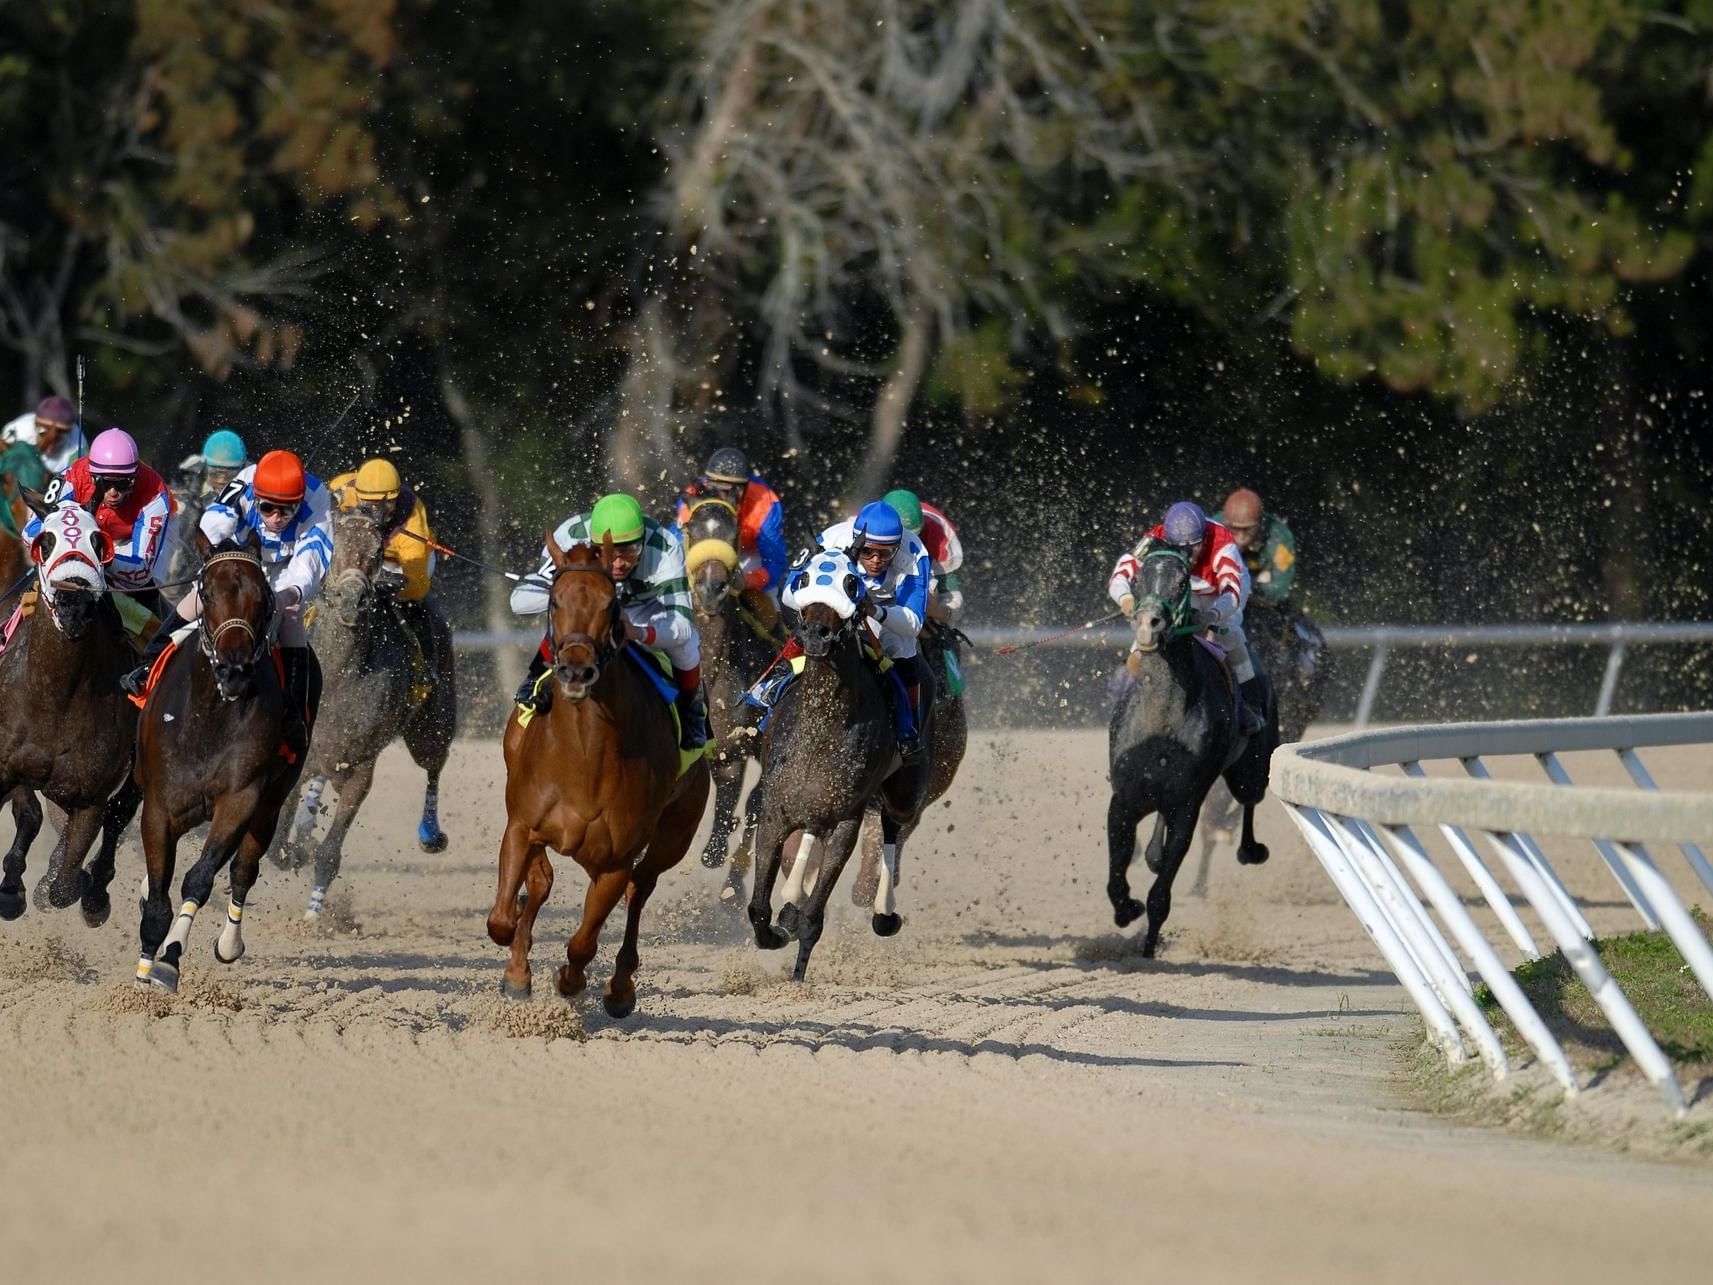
(1178, 612)
(260, 641)
(603, 651)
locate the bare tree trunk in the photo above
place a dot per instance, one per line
(496, 598)
(886, 430)
(641, 446)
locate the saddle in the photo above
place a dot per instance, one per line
(659, 673)
(165, 658)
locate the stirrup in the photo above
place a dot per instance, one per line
(767, 688)
(1250, 721)
(136, 682)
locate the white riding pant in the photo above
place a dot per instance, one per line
(1230, 637)
(685, 653)
(894, 645)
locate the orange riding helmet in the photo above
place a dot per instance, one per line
(279, 477)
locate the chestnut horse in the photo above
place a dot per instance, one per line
(211, 748)
(596, 777)
(67, 729)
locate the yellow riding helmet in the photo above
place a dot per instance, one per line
(378, 480)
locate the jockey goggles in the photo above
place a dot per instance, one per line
(120, 482)
(274, 508)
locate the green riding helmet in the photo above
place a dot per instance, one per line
(907, 507)
(618, 516)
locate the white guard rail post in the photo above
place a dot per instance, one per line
(1357, 820)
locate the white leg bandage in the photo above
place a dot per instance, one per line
(795, 881)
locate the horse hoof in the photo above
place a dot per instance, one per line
(1253, 856)
(60, 898)
(1128, 912)
(789, 919)
(96, 910)
(1149, 946)
(11, 905)
(569, 983)
(431, 841)
(234, 957)
(713, 858)
(618, 1008)
(887, 925)
(518, 994)
(165, 976)
(767, 937)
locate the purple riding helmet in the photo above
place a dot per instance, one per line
(1185, 525)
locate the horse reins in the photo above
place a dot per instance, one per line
(603, 652)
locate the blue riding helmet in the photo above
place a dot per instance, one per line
(1185, 524)
(878, 524)
(223, 449)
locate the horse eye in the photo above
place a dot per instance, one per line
(851, 587)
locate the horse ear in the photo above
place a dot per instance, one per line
(253, 541)
(607, 550)
(204, 546)
(38, 504)
(554, 552)
(103, 547)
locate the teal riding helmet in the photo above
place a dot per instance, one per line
(224, 449)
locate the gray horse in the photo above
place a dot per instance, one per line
(734, 654)
(371, 665)
(1174, 732)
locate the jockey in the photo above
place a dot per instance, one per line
(940, 538)
(206, 473)
(289, 511)
(1269, 549)
(896, 569)
(407, 561)
(132, 506)
(52, 430)
(653, 591)
(761, 527)
(1219, 587)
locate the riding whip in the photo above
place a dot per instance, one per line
(22, 581)
(462, 557)
(80, 432)
(1036, 642)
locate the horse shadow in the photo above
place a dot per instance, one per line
(1114, 953)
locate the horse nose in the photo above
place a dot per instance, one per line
(578, 675)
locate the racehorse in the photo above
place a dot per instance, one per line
(951, 737)
(597, 777)
(828, 751)
(211, 747)
(734, 653)
(68, 729)
(370, 660)
(1293, 651)
(20, 467)
(1174, 731)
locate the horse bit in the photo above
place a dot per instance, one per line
(210, 638)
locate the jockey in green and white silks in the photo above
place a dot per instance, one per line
(654, 599)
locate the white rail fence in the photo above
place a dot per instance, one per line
(1361, 825)
(1381, 640)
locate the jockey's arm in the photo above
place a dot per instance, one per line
(1120, 584)
(411, 556)
(907, 611)
(669, 619)
(313, 552)
(142, 562)
(947, 602)
(770, 547)
(220, 519)
(530, 597)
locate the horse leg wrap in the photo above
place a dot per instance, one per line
(145, 966)
(180, 934)
(230, 948)
(796, 883)
(309, 806)
(317, 901)
(885, 903)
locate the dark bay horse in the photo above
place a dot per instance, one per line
(946, 754)
(211, 748)
(67, 729)
(1292, 650)
(829, 751)
(1174, 731)
(734, 654)
(369, 662)
(598, 778)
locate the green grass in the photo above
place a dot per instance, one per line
(1651, 973)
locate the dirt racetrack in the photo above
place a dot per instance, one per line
(1003, 1092)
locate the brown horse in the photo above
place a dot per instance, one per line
(211, 747)
(596, 777)
(734, 654)
(68, 729)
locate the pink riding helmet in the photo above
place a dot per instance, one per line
(113, 453)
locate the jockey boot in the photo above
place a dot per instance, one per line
(1252, 714)
(295, 662)
(535, 696)
(907, 728)
(692, 708)
(137, 681)
(765, 690)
